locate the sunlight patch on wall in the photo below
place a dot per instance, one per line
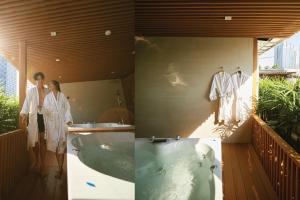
(174, 76)
(147, 42)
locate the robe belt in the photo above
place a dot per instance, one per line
(223, 96)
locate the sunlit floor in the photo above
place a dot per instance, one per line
(32, 187)
(243, 175)
(243, 178)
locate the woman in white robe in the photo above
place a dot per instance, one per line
(222, 87)
(58, 116)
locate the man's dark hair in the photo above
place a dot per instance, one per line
(37, 74)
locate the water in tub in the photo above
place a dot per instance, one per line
(110, 158)
(177, 172)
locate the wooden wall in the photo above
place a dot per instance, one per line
(13, 160)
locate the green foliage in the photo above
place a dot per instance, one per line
(9, 113)
(279, 104)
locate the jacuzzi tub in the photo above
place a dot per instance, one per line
(186, 169)
(100, 127)
(101, 165)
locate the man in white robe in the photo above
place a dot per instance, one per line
(242, 93)
(31, 110)
(222, 87)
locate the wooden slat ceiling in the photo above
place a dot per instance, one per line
(250, 18)
(84, 51)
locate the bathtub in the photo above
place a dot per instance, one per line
(101, 127)
(185, 169)
(101, 165)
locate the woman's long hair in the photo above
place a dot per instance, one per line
(56, 84)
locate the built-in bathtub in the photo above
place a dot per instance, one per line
(185, 169)
(101, 165)
(101, 127)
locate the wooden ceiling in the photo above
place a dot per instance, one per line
(250, 18)
(84, 51)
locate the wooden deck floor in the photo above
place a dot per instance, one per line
(243, 178)
(243, 175)
(32, 187)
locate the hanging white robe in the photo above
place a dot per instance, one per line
(242, 94)
(57, 114)
(222, 87)
(30, 107)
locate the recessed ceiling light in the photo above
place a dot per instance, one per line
(228, 18)
(107, 32)
(57, 59)
(53, 34)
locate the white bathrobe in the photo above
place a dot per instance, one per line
(57, 114)
(30, 107)
(242, 93)
(222, 87)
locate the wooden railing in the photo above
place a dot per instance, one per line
(280, 161)
(13, 160)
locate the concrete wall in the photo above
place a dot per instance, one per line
(128, 88)
(173, 79)
(95, 101)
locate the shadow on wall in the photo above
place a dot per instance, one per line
(118, 115)
(173, 80)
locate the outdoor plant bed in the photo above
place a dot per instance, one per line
(9, 113)
(279, 106)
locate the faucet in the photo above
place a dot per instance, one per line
(213, 167)
(155, 140)
(177, 137)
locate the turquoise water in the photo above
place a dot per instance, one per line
(115, 159)
(172, 172)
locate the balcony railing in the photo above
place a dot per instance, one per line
(13, 160)
(280, 161)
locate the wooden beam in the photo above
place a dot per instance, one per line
(255, 75)
(22, 74)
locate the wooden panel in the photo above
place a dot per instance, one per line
(13, 162)
(243, 175)
(84, 51)
(33, 187)
(280, 161)
(259, 19)
(255, 74)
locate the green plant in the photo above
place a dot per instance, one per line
(9, 113)
(279, 105)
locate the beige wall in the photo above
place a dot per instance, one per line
(173, 78)
(95, 101)
(128, 88)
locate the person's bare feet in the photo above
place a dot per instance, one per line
(43, 173)
(59, 174)
(32, 166)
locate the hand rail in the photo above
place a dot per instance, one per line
(13, 160)
(280, 161)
